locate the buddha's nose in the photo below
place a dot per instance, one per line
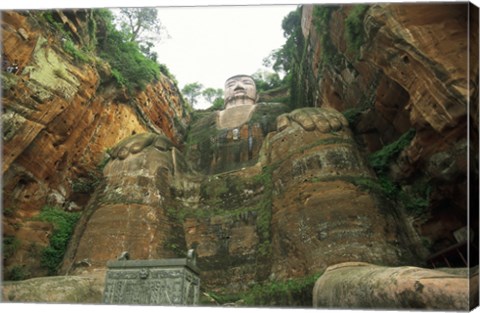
(239, 86)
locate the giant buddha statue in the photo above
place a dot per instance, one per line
(240, 97)
(231, 139)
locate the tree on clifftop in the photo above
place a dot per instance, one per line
(141, 24)
(210, 94)
(192, 91)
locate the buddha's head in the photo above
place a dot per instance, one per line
(240, 90)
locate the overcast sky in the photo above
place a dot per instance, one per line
(210, 44)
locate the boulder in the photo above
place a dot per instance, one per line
(56, 289)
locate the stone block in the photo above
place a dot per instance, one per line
(160, 282)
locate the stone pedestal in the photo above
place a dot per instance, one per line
(160, 282)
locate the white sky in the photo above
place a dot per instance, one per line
(210, 44)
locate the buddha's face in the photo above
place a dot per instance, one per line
(240, 90)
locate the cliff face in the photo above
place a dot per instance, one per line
(401, 67)
(284, 195)
(59, 118)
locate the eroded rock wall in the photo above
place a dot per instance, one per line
(60, 116)
(285, 196)
(321, 211)
(410, 71)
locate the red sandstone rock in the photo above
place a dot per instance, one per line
(59, 123)
(357, 285)
(319, 215)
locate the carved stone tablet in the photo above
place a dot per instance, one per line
(160, 282)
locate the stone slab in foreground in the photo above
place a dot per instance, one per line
(55, 289)
(363, 285)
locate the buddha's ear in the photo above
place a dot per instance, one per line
(257, 98)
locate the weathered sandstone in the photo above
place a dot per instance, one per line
(363, 286)
(59, 118)
(320, 214)
(130, 211)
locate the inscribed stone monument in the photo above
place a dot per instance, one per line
(159, 282)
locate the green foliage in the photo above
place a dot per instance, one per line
(202, 132)
(68, 45)
(119, 77)
(146, 49)
(294, 56)
(415, 199)
(381, 186)
(295, 51)
(213, 96)
(92, 31)
(34, 250)
(18, 272)
(210, 94)
(78, 55)
(165, 71)
(47, 15)
(140, 24)
(292, 59)
(293, 292)
(86, 184)
(192, 91)
(352, 115)
(218, 104)
(354, 33)
(283, 59)
(9, 212)
(380, 160)
(321, 20)
(10, 246)
(63, 226)
(130, 67)
(290, 293)
(264, 210)
(413, 204)
(265, 80)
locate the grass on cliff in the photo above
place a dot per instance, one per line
(415, 199)
(354, 33)
(290, 293)
(264, 209)
(321, 20)
(63, 225)
(130, 67)
(79, 55)
(10, 246)
(380, 160)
